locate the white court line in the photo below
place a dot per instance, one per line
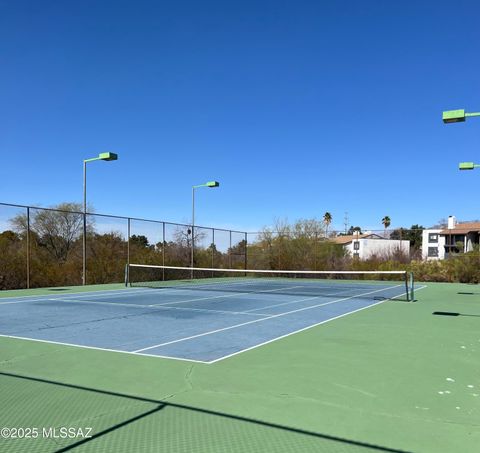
(174, 289)
(119, 292)
(258, 320)
(155, 307)
(419, 288)
(101, 349)
(295, 301)
(66, 299)
(126, 292)
(305, 328)
(237, 294)
(215, 285)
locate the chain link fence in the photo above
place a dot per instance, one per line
(317, 249)
(42, 247)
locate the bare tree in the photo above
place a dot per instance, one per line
(57, 229)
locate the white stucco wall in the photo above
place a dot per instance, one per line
(381, 247)
(440, 245)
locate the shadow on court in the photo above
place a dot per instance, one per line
(452, 313)
(126, 423)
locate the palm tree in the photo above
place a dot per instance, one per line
(386, 223)
(327, 220)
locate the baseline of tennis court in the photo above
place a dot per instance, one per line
(203, 326)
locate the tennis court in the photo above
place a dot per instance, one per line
(384, 375)
(206, 319)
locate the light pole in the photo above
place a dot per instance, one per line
(101, 156)
(207, 184)
(459, 116)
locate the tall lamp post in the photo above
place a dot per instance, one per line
(101, 156)
(207, 184)
(459, 116)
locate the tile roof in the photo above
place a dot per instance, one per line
(463, 228)
(352, 237)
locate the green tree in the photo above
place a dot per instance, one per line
(386, 223)
(327, 220)
(412, 234)
(415, 236)
(139, 241)
(354, 230)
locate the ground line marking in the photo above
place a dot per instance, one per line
(101, 349)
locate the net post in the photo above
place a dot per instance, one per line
(407, 288)
(412, 287)
(127, 276)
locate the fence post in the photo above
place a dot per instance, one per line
(164, 242)
(246, 250)
(28, 247)
(213, 249)
(128, 241)
(84, 250)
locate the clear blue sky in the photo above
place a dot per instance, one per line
(296, 107)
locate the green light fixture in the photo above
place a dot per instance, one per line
(457, 116)
(467, 166)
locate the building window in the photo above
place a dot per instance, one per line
(433, 252)
(433, 237)
(356, 245)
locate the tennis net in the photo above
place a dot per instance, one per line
(362, 284)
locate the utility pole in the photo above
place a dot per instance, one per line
(345, 222)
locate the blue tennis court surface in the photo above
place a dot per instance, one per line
(204, 325)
